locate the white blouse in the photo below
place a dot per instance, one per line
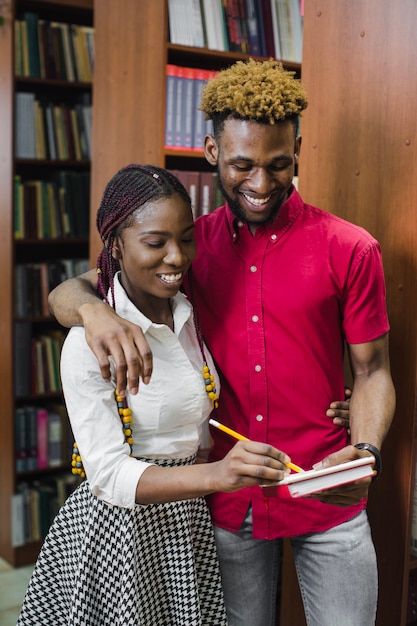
(168, 413)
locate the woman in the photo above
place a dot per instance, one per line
(134, 544)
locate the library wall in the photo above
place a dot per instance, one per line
(358, 160)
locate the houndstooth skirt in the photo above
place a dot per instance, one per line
(100, 565)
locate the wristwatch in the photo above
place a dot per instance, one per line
(375, 453)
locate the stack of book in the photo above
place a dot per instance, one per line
(36, 363)
(185, 126)
(35, 505)
(49, 130)
(43, 437)
(53, 50)
(203, 190)
(34, 281)
(268, 28)
(52, 209)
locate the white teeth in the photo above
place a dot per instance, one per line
(171, 278)
(257, 201)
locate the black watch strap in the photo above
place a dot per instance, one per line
(376, 453)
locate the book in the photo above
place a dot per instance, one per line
(22, 370)
(208, 197)
(31, 413)
(265, 11)
(188, 109)
(199, 123)
(25, 134)
(275, 29)
(17, 515)
(43, 438)
(21, 439)
(31, 20)
(170, 103)
(253, 30)
(55, 439)
(312, 481)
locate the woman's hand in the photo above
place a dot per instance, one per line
(249, 463)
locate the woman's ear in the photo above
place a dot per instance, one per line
(115, 251)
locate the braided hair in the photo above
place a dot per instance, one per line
(131, 188)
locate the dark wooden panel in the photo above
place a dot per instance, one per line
(358, 160)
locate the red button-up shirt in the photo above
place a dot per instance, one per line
(275, 309)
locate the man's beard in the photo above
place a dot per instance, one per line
(236, 208)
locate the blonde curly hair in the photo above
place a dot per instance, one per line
(254, 90)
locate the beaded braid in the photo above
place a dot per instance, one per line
(131, 188)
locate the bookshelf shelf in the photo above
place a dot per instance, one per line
(199, 57)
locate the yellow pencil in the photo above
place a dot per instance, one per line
(236, 435)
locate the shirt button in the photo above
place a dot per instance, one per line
(255, 318)
(259, 418)
(258, 368)
(253, 268)
(234, 235)
(273, 237)
(240, 224)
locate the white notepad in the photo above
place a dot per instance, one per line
(311, 481)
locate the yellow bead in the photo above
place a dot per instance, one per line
(127, 432)
(212, 395)
(205, 368)
(127, 411)
(119, 398)
(78, 458)
(73, 462)
(209, 387)
(127, 419)
(130, 440)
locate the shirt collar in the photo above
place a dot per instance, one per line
(181, 309)
(287, 214)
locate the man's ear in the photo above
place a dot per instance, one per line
(297, 148)
(211, 150)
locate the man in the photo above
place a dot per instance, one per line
(279, 287)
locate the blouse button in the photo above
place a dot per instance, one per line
(259, 418)
(255, 318)
(253, 268)
(258, 368)
(273, 237)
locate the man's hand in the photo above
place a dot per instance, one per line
(108, 334)
(343, 495)
(339, 411)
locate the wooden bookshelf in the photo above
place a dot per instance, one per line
(27, 250)
(358, 160)
(132, 51)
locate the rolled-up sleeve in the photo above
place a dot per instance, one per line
(111, 473)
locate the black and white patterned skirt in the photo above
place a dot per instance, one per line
(100, 565)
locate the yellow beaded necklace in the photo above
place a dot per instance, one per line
(125, 414)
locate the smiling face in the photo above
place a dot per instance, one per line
(154, 252)
(256, 166)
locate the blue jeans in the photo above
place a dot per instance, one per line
(336, 569)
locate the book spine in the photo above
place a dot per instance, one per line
(21, 440)
(188, 108)
(171, 78)
(43, 436)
